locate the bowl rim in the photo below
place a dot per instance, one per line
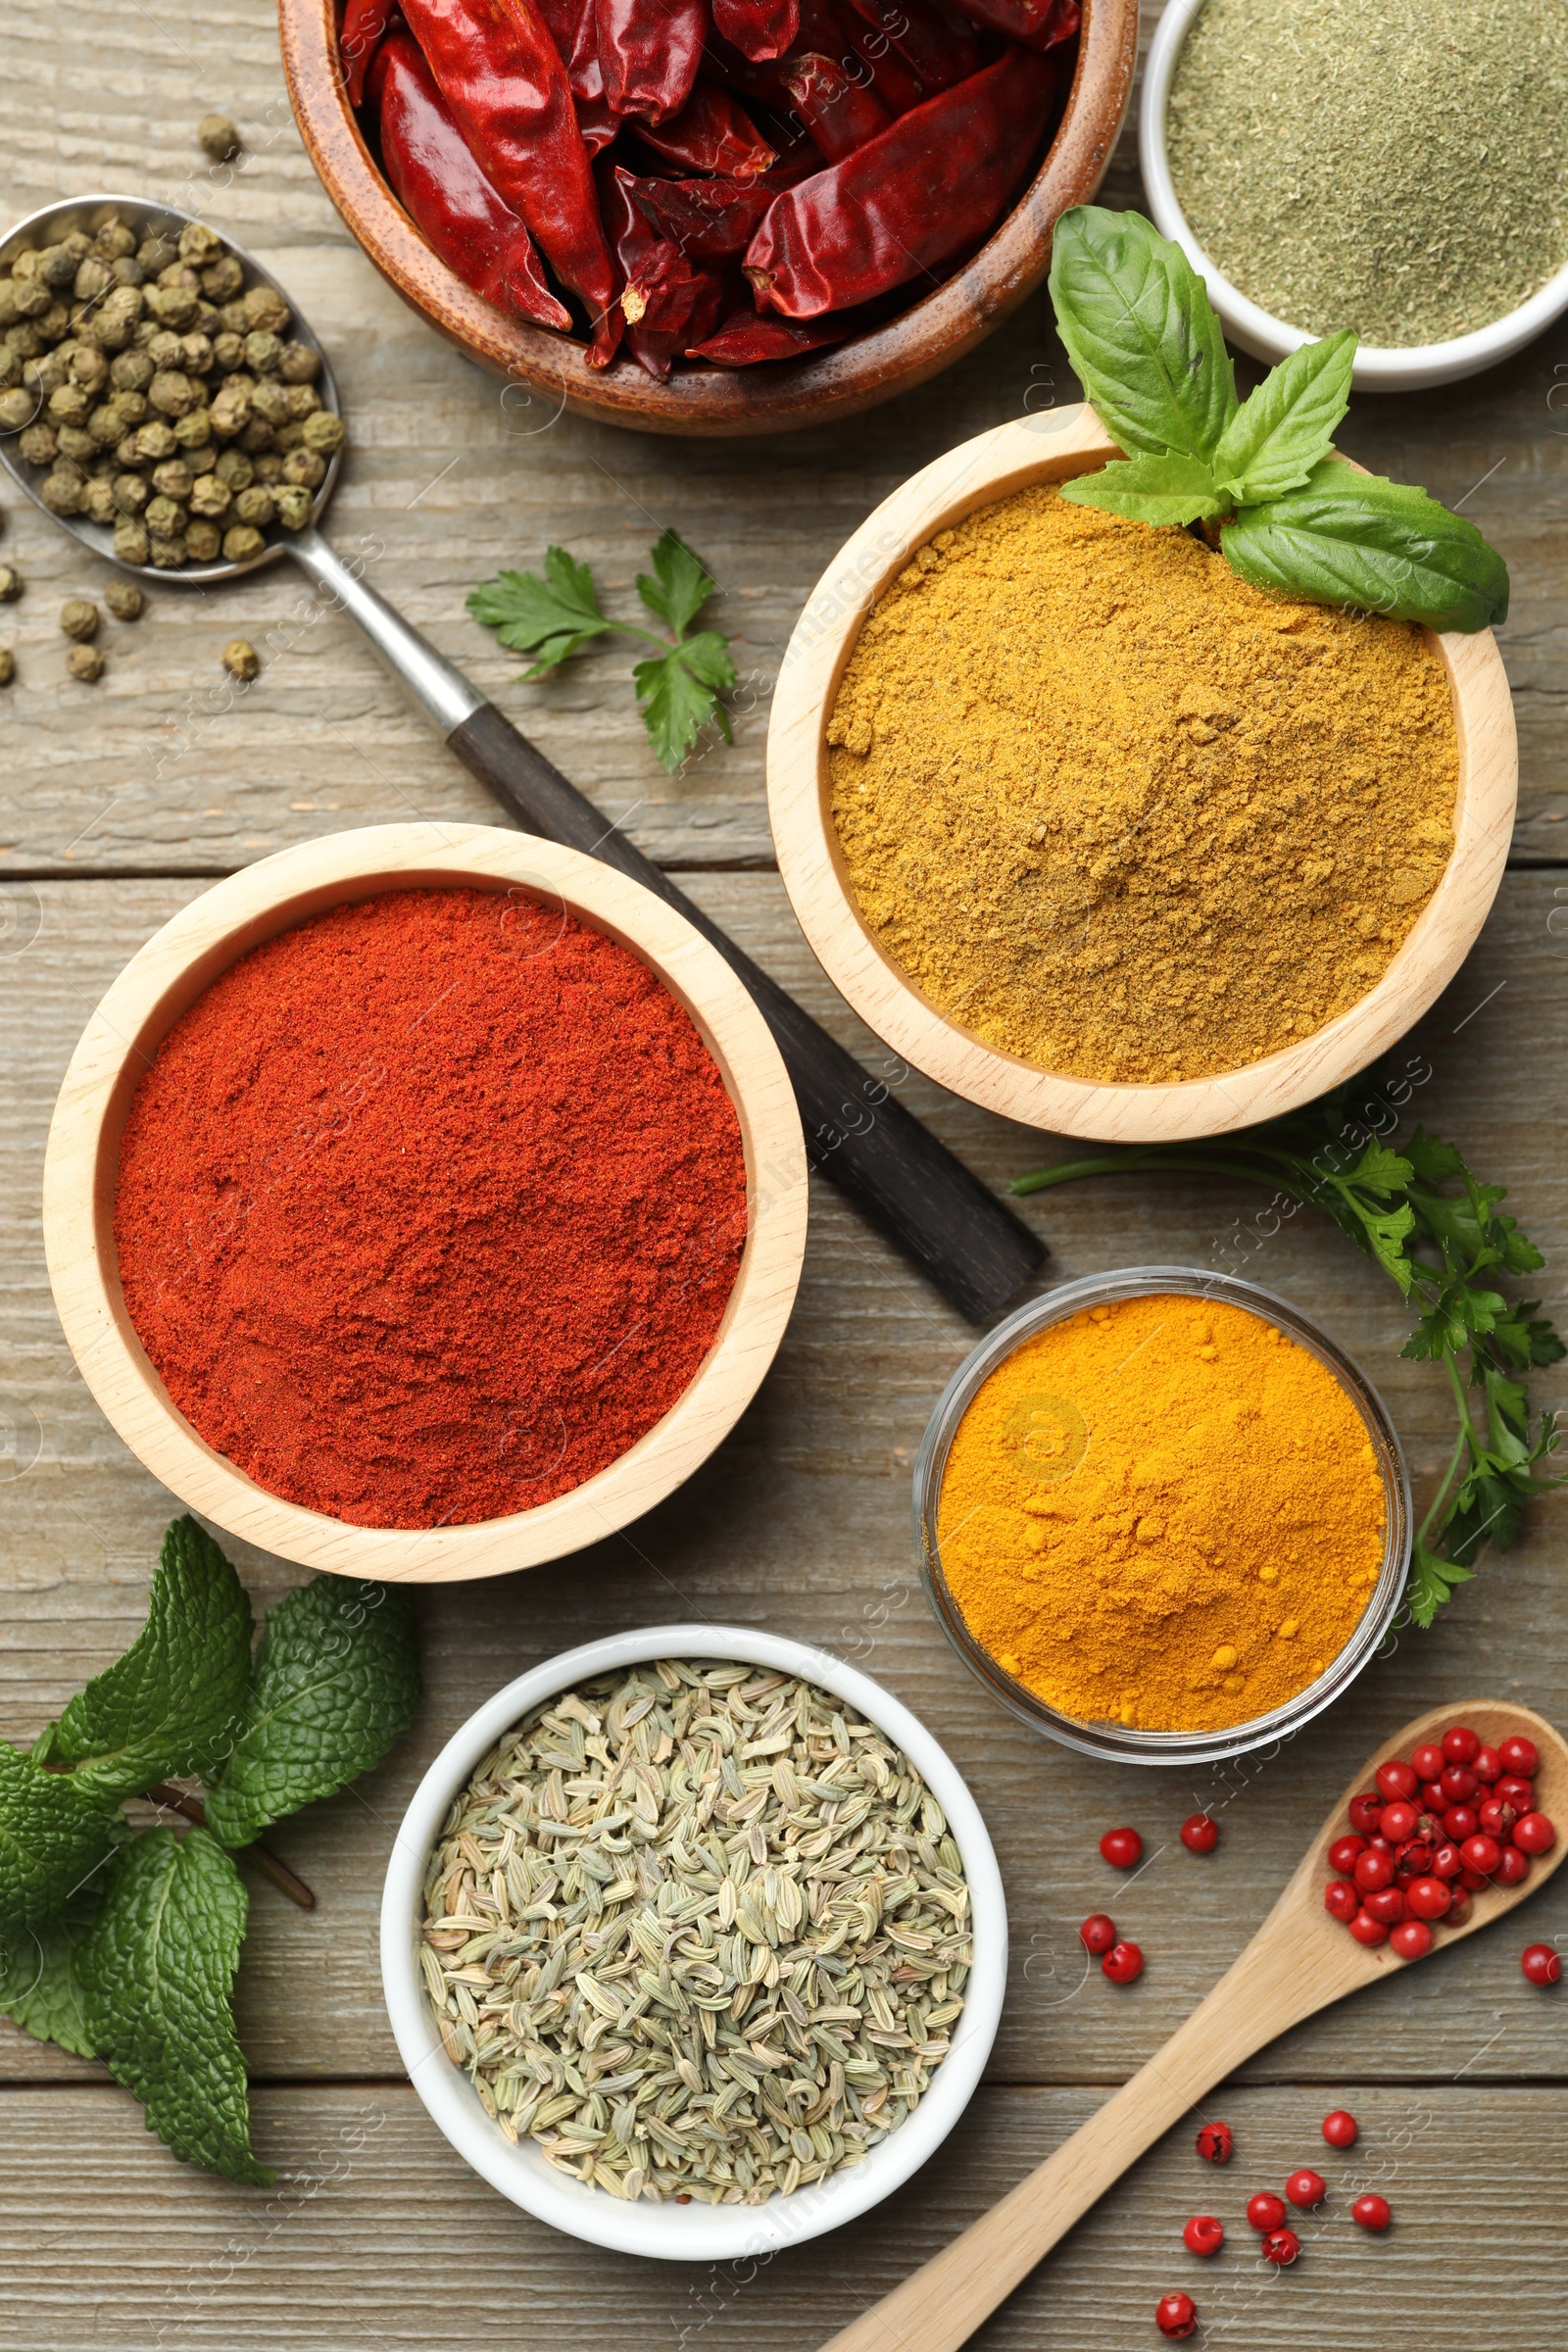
(1050, 446)
(271, 895)
(694, 2232)
(548, 372)
(1378, 367)
(1115, 1740)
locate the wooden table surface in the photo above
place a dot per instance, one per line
(120, 800)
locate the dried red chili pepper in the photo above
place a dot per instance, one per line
(712, 133)
(666, 302)
(365, 28)
(759, 28)
(841, 115)
(935, 42)
(931, 186)
(574, 27)
(649, 52)
(497, 68)
(1038, 23)
(745, 340)
(822, 33)
(443, 190)
(714, 219)
(899, 89)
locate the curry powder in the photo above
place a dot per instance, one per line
(1121, 813)
(1162, 1513)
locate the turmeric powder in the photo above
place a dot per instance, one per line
(1163, 1513)
(1124, 815)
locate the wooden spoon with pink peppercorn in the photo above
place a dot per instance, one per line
(1299, 1962)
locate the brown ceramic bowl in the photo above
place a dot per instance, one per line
(772, 399)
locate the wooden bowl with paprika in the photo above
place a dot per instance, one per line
(876, 361)
(1041, 450)
(340, 1252)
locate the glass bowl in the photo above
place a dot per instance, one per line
(1112, 1738)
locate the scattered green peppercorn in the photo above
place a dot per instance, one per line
(8, 666)
(85, 662)
(10, 585)
(241, 659)
(125, 600)
(218, 135)
(79, 617)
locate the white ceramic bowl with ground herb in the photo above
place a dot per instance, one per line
(1378, 367)
(695, 2232)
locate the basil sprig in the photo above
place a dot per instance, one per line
(1139, 330)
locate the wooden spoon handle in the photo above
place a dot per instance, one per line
(944, 2302)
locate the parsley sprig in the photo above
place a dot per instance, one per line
(1262, 477)
(1447, 1249)
(125, 1947)
(556, 615)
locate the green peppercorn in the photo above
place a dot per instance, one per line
(203, 541)
(98, 500)
(196, 354)
(114, 240)
(45, 375)
(69, 404)
(255, 506)
(257, 436)
(199, 244)
(222, 280)
(93, 277)
(63, 490)
(125, 600)
(31, 299)
(229, 351)
(10, 585)
(240, 658)
(232, 408)
(86, 663)
(57, 265)
(164, 517)
(271, 400)
(76, 443)
(180, 275)
(131, 493)
(242, 542)
(55, 323)
(131, 543)
(269, 468)
(218, 135)
(300, 364)
(294, 505)
(173, 479)
(8, 666)
(155, 441)
(131, 370)
(304, 400)
(265, 307)
(167, 555)
(88, 367)
(79, 617)
(194, 431)
(233, 318)
(16, 407)
(235, 468)
(209, 497)
(173, 306)
(24, 339)
(322, 434)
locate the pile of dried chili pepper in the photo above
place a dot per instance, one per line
(726, 182)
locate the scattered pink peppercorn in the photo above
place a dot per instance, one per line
(1281, 2247)
(1265, 2211)
(1216, 2143)
(1541, 1964)
(1122, 1963)
(1176, 2315)
(1121, 1848)
(1097, 1934)
(1203, 2234)
(1200, 1833)
(1371, 2212)
(1341, 2128)
(1307, 2187)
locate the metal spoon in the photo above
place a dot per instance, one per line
(974, 1249)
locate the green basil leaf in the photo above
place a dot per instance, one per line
(1353, 539)
(156, 1971)
(1140, 333)
(1158, 490)
(1286, 426)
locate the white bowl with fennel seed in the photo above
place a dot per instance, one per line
(823, 2033)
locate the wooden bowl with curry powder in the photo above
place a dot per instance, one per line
(1162, 1586)
(1341, 1009)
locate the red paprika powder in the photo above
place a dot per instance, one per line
(430, 1209)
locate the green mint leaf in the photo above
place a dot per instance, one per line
(336, 1681)
(552, 617)
(1286, 426)
(53, 1838)
(1431, 1581)
(1158, 490)
(1141, 335)
(1353, 539)
(175, 1702)
(158, 1968)
(679, 695)
(683, 586)
(40, 1982)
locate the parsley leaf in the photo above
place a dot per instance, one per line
(40, 1978)
(156, 1969)
(337, 1679)
(677, 686)
(53, 1837)
(175, 1702)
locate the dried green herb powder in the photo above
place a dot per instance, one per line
(1401, 169)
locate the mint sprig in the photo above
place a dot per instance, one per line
(556, 615)
(337, 1680)
(1448, 1250)
(125, 1947)
(1149, 350)
(157, 1970)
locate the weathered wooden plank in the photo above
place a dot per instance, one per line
(801, 1522)
(376, 2236)
(162, 768)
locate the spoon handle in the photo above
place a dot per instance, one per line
(975, 1250)
(941, 2305)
